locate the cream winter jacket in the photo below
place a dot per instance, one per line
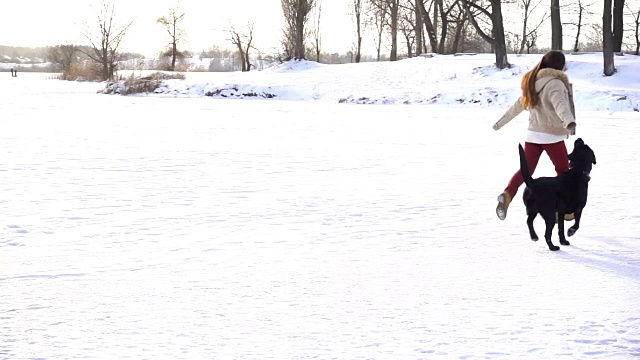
(555, 110)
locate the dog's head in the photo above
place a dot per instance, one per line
(582, 157)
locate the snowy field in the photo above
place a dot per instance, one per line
(176, 226)
(468, 80)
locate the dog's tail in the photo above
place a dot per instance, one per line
(524, 167)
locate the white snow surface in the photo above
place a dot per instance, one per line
(151, 227)
(442, 80)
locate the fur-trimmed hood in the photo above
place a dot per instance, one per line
(545, 75)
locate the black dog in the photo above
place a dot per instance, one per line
(563, 194)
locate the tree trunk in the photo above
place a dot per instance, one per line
(379, 45)
(524, 28)
(174, 51)
(243, 62)
(299, 44)
(431, 31)
(465, 29)
(618, 23)
(299, 47)
(497, 38)
(498, 27)
(394, 29)
(380, 16)
(456, 40)
(174, 46)
(460, 22)
(577, 42)
(407, 37)
(424, 44)
(106, 69)
(316, 31)
(246, 58)
(444, 25)
(358, 11)
(607, 36)
(418, 29)
(637, 22)
(556, 26)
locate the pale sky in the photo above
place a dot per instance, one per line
(46, 22)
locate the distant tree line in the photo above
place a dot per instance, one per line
(450, 26)
(18, 54)
(398, 28)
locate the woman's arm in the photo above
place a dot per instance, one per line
(513, 111)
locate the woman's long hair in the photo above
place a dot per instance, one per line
(553, 59)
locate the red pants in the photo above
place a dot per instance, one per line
(557, 153)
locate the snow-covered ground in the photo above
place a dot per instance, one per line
(441, 80)
(148, 227)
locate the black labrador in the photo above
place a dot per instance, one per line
(560, 195)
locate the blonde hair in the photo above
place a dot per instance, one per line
(530, 98)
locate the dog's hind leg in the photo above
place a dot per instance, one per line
(550, 221)
(532, 232)
(563, 240)
(576, 224)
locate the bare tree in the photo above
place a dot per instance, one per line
(494, 16)
(296, 15)
(607, 36)
(394, 10)
(63, 56)
(171, 23)
(528, 8)
(106, 41)
(618, 24)
(428, 23)
(357, 14)
(581, 11)
(418, 29)
(449, 16)
(315, 31)
(389, 10)
(377, 18)
(287, 42)
(595, 42)
(460, 21)
(444, 10)
(243, 41)
(636, 22)
(532, 41)
(407, 26)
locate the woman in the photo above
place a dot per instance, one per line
(548, 95)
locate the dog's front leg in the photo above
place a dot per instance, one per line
(563, 239)
(550, 221)
(576, 224)
(530, 217)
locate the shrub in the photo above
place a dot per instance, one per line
(145, 84)
(85, 71)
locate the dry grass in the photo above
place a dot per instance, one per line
(85, 71)
(140, 85)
